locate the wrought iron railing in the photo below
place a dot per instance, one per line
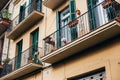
(89, 21)
(31, 55)
(25, 12)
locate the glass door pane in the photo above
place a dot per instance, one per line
(64, 29)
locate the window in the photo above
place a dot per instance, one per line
(22, 12)
(92, 76)
(98, 14)
(64, 33)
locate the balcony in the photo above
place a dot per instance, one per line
(25, 20)
(89, 32)
(53, 4)
(4, 24)
(22, 64)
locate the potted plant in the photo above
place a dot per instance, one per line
(73, 23)
(6, 14)
(6, 60)
(5, 17)
(30, 59)
(78, 12)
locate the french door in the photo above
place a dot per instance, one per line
(19, 54)
(64, 29)
(97, 14)
(35, 36)
(22, 12)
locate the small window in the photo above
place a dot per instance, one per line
(99, 75)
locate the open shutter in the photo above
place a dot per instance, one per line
(91, 13)
(58, 31)
(19, 54)
(72, 17)
(35, 36)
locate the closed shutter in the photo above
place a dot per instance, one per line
(72, 17)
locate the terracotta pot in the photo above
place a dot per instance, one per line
(106, 3)
(73, 23)
(5, 22)
(78, 12)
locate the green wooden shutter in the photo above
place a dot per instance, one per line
(35, 36)
(58, 31)
(91, 13)
(72, 17)
(39, 5)
(22, 12)
(19, 51)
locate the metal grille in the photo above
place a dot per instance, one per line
(98, 76)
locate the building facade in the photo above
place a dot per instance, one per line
(4, 27)
(63, 40)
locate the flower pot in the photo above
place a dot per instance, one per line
(73, 23)
(107, 3)
(78, 12)
(5, 22)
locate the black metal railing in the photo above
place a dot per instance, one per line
(94, 18)
(31, 55)
(26, 11)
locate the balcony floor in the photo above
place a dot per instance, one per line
(94, 37)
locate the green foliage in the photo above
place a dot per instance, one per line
(6, 14)
(6, 60)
